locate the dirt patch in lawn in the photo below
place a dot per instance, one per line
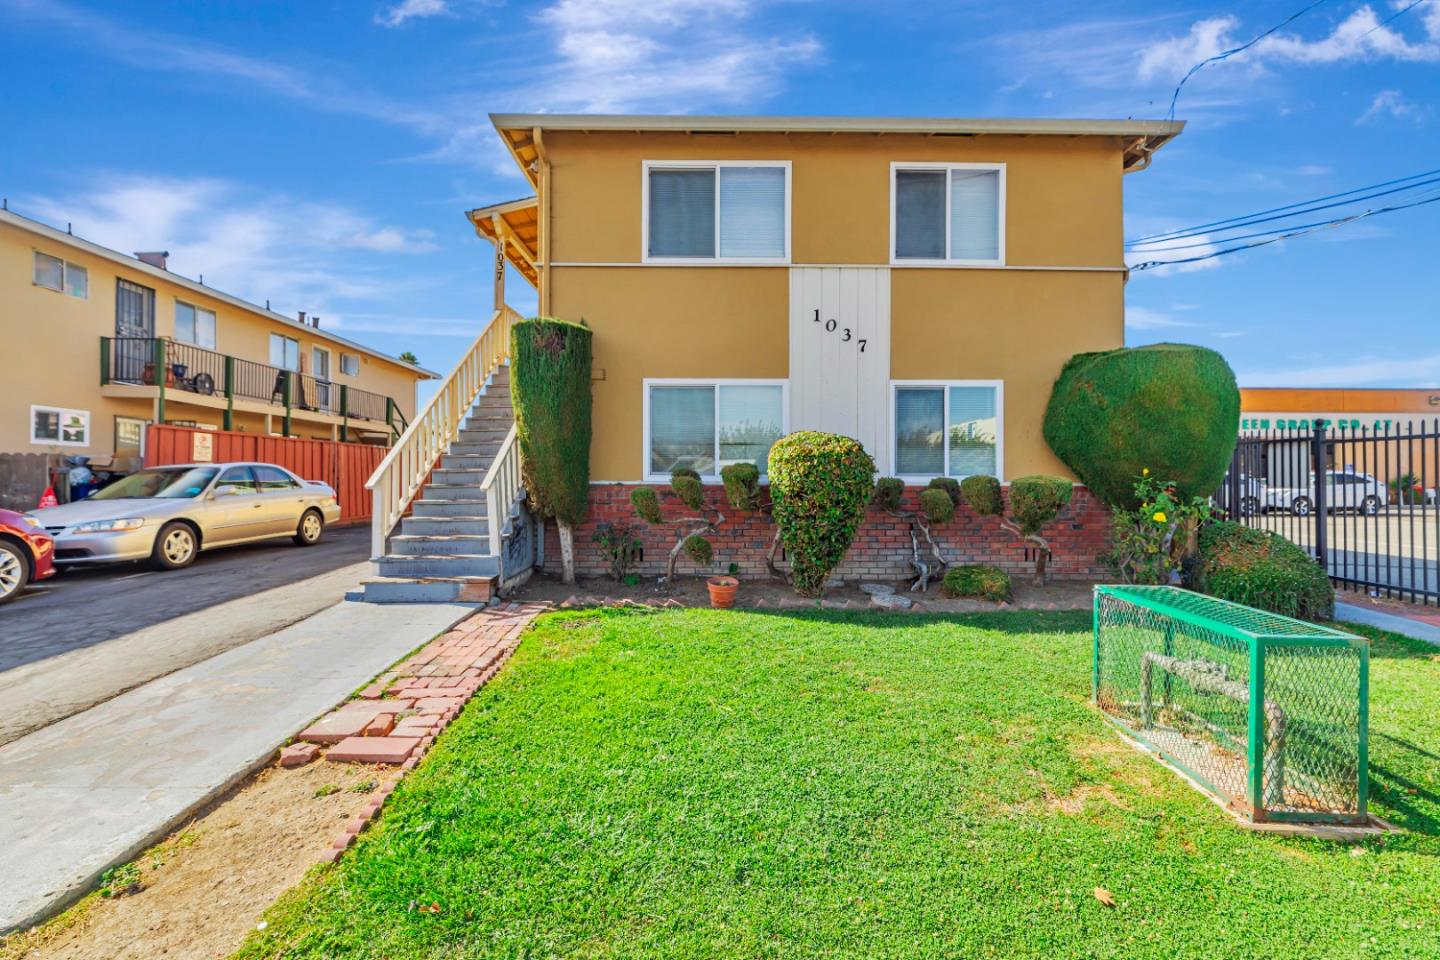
(198, 893)
(761, 593)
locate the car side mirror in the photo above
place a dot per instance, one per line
(226, 490)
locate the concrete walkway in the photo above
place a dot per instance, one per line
(99, 787)
(1372, 617)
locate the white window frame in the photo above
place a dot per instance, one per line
(58, 441)
(144, 429)
(898, 166)
(342, 371)
(299, 352)
(65, 267)
(945, 385)
(329, 377)
(647, 165)
(651, 477)
(197, 310)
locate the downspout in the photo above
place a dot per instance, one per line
(543, 192)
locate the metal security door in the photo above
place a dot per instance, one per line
(134, 330)
(840, 354)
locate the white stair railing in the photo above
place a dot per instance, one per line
(405, 468)
(501, 486)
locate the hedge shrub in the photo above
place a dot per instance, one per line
(888, 492)
(820, 484)
(987, 583)
(950, 485)
(1035, 501)
(1169, 407)
(689, 489)
(937, 506)
(742, 483)
(699, 549)
(550, 391)
(983, 495)
(1261, 569)
(647, 504)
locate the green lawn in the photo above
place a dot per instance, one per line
(727, 784)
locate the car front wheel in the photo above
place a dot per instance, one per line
(1370, 506)
(312, 525)
(1301, 506)
(175, 547)
(14, 572)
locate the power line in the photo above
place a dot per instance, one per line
(1288, 206)
(1397, 14)
(1292, 233)
(1254, 219)
(1240, 49)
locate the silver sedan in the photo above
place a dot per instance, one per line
(169, 514)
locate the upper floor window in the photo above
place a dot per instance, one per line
(724, 211)
(284, 352)
(948, 213)
(350, 364)
(194, 325)
(61, 275)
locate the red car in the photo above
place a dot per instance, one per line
(25, 553)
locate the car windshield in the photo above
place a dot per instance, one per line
(179, 483)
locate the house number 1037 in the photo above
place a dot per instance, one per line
(845, 335)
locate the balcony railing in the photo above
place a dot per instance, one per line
(186, 368)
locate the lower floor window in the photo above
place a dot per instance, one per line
(948, 429)
(130, 436)
(707, 426)
(56, 426)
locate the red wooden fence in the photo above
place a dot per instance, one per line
(345, 466)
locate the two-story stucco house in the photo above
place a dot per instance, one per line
(914, 283)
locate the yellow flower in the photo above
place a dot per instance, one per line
(1159, 516)
(1145, 472)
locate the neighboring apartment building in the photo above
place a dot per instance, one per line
(99, 344)
(915, 284)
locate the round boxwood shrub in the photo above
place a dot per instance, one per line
(983, 495)
(888, 491)
(1261, 569)
(742, 481)
(820, 484)
(1169, 407)
(950, 485)
(937, 506)
(1035, 501)
(987, 583)
(646, 504)
(699, 549)
(688, 488)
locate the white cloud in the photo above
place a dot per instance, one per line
(298, 255)
(1364, 371)
(410, 10)
(1392, 104)
(1143, 318)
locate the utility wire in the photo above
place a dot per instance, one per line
(1254, 220)
(1397, 14)
(1288, 206)
(1297, 232)
(1240, 49)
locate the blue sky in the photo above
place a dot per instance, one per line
(321, 154)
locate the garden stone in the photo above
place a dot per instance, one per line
(877, 589)
(890, 601)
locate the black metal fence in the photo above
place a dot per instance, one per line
(1359, 499)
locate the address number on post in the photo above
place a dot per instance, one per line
(845, 333)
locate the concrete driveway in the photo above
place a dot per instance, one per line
(89, 635)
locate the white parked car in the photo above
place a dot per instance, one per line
(1344, 490)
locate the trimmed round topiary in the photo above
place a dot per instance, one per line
(937, 506)
(983, 495)
(689, 489)
(699, 549)
(1171, 408)
(742, 481)
(950, 485)
(1261, 569)
(987, 583)
(888, 492)
(646, 504)
(685, 472)
(1035, 501)
(820, 484)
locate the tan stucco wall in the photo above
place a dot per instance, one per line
(52, 348)
(1064, 209)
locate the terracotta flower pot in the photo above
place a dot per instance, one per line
(722, 591)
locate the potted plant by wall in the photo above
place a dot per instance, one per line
(722, 591)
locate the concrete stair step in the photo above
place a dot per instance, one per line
(454, 565)
(438, 509)
(467, 461)
(438, 546)
(463, 477)
(448, 526)
(485, 447)
(427, 589)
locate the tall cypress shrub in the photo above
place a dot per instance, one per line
(550, 390)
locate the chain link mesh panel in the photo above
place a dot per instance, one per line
(1265, 712)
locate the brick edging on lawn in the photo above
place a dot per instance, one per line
(880, 550)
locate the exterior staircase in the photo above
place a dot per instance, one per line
(443, 550)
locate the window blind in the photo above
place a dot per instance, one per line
(920, 214)
(919, 431)
(974, 215)
(750, 419)
(972, 431)
(682, 429)
(752, 212)
(682, 213)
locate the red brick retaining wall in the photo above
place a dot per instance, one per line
(881, 549)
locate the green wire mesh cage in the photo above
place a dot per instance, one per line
(1267, 713)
